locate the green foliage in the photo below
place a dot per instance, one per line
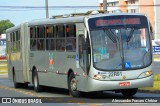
(157, 77)
(5, 24)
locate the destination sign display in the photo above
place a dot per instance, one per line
(123, 21)
(118, 21)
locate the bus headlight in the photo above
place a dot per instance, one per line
(146, 74)
(99, 77)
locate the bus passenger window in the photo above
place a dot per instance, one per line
(32, 32)
(71, 37)
(33, 45)
(40, 32)
(60, 41)
(50, 32)
(60, 31)
(60, 44)
(71, 44)
(33, 41)
(40, 44)
(50, 44)
(71, 31)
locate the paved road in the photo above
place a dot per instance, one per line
(61, 95)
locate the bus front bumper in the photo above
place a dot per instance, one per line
(97, 85)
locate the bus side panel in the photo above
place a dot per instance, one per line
(38, 59)
(61, 68)
(56, 73)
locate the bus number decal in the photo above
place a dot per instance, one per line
(113, 74)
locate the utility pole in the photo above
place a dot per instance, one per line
(47, 14)
(105, 6)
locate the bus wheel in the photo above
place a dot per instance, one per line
(16, 85)
(72, 85)
(24, 85)
(36, 85)
(129, 92)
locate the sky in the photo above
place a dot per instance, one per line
(21, 15)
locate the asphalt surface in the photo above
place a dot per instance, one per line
(60, 97)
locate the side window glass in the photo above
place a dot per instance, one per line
(81, 50)
(14, 42)
(50, 32)
(50, 38)
(71, 37)
(33, 41)
(60, 40)
(18, 40)
(40, 38)
(40, 32)
(60, 31)
(60, 44)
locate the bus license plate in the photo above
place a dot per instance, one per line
(114, 74)
(124, 84)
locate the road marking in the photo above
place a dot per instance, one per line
(30, 93)
(93, 105)
(21, 91)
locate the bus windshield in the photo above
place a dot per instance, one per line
(120, 45)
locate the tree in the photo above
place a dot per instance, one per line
(5, 24)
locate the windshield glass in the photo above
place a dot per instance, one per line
(121, 47)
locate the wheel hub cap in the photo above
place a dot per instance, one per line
(74, 84)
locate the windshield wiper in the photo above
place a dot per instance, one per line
(131, 33)
(111, 35)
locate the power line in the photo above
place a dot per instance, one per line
(30, 8)
(43, 7)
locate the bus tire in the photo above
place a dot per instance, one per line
(72, 86)
(36, 85)
(24, 85)
(129, 92)
(16, 85)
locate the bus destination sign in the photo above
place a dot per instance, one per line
(122, 21)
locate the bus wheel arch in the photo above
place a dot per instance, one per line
(129, 92)
(72, 85)
(16, 85)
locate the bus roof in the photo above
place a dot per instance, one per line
(78, 19)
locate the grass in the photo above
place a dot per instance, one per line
(156, 87)
(3, 69)
(156, 84)
(3, 66)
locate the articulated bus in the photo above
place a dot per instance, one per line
(82, 54)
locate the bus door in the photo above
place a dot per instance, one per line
(83, 61)
(8, 45)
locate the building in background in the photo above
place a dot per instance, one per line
(147, 7)
(157, 19)
(2, 46)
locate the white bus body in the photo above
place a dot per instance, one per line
(82, 54)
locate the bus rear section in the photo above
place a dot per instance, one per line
(121, 53)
